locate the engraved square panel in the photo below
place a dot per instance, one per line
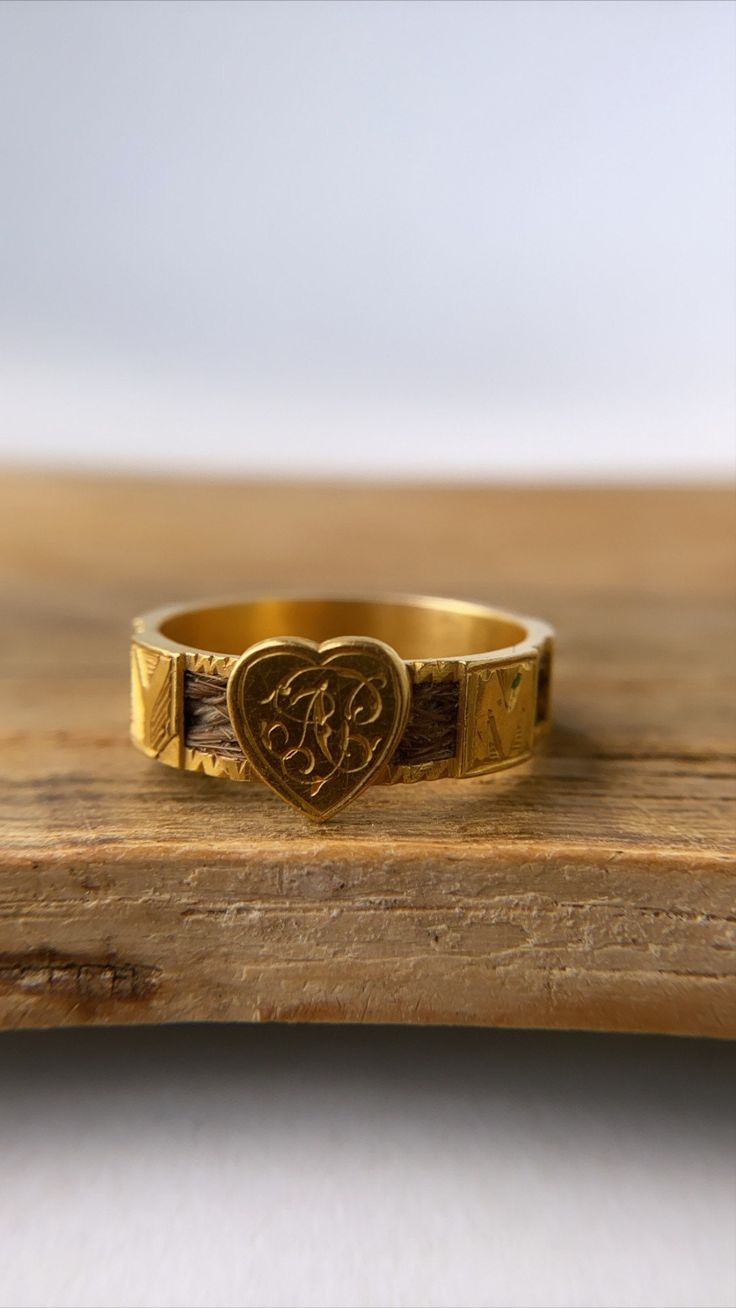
(497, 718)
(155, 702)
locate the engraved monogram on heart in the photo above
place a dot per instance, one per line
(318, 722)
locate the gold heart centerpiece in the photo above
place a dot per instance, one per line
(318, 722)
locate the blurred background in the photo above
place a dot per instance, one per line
(417, 239)
(372, 238)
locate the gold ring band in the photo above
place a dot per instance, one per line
(321, 697)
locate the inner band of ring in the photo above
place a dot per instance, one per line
(417, 628)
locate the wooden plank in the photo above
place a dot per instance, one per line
(593, 888)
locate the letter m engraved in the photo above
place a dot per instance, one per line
(498, 721)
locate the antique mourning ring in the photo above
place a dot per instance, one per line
(319, 698)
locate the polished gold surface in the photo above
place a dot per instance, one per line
(394, 651)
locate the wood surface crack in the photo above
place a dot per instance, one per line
(511, 907)
(494, 963)
(78, 978)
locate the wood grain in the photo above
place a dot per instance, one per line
(593, 888)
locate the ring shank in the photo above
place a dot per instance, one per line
(479, 678)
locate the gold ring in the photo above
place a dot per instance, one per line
(318, 698)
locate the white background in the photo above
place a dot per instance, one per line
(417, 239)
(345, 1167)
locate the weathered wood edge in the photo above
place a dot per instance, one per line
(556, 942)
